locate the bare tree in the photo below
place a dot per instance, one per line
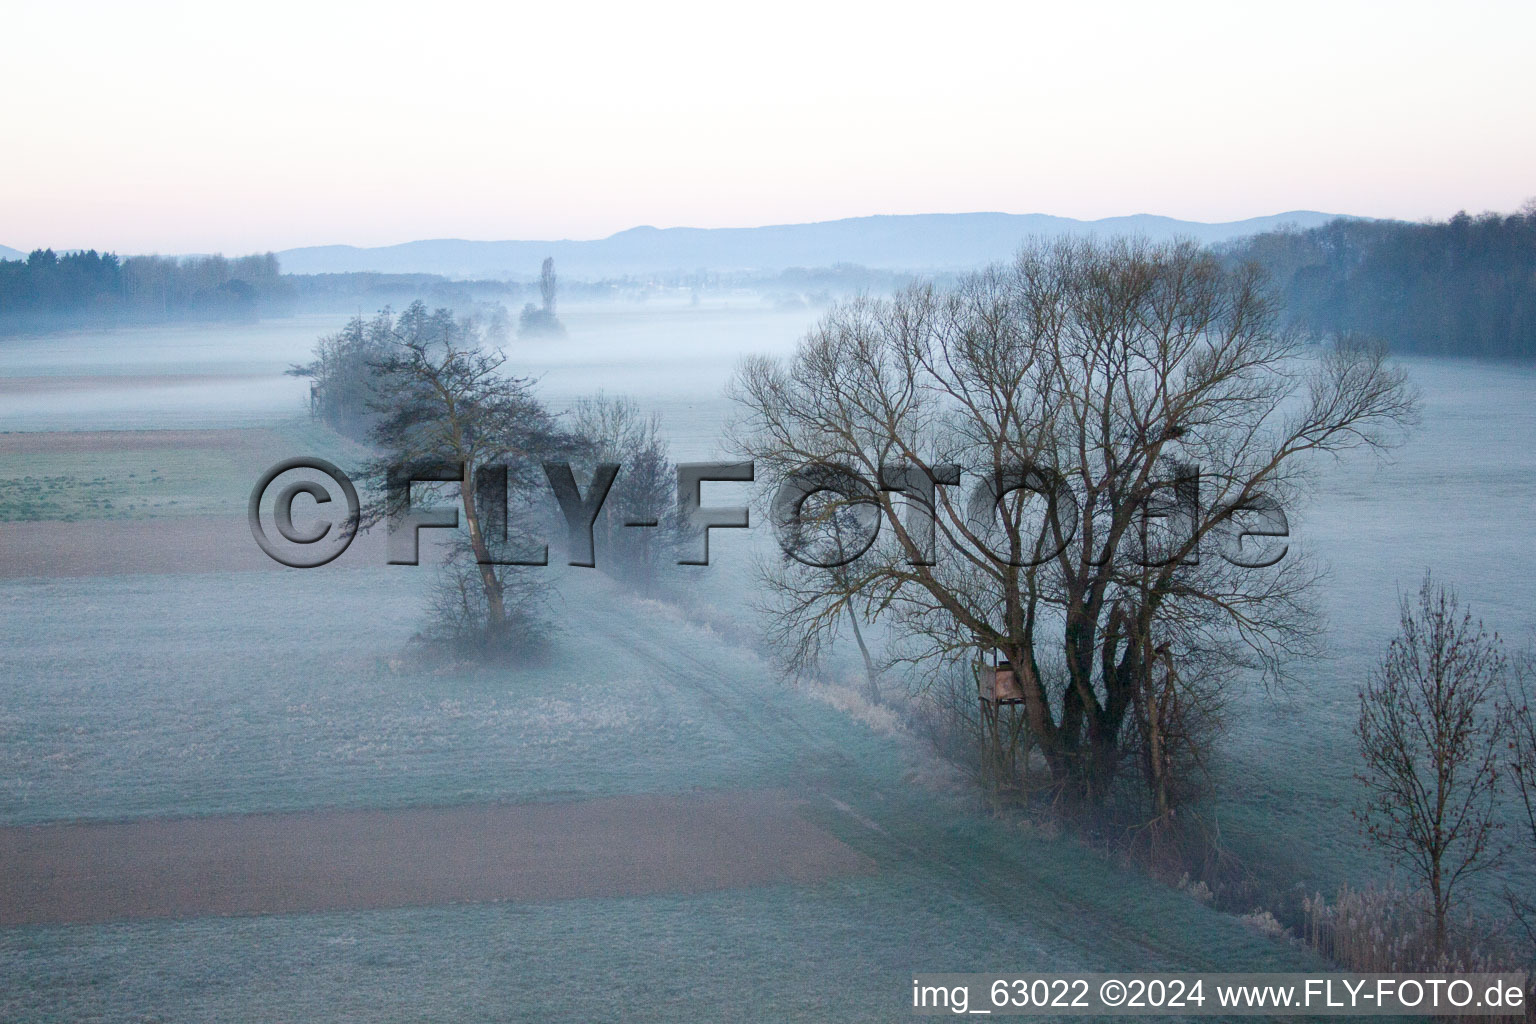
(547, 285)
(1117, 411)
(1431, 746)
(811, 598)
(1519, 722)
(541, 320)
(448, 413)
(615, 430)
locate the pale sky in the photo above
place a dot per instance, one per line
(206, 126)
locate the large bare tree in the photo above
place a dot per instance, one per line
(448, 414)
(1079, 449)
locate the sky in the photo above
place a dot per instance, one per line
(208, 127)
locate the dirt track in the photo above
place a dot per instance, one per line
(361, 859)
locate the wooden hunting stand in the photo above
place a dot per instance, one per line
(998, 686)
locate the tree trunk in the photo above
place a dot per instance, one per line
(490, 583)
(869, 663)
(1437, 893)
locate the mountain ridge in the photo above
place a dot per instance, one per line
(914, 242)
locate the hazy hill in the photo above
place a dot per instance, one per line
(7, 253)
(918, 242)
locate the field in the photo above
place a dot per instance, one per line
(158, 668)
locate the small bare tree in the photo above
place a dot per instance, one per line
(1431, 746)
(541, 320)
(547, 284)
(1519, 721)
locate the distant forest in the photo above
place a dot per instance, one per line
(48, 290)
(1462, 287)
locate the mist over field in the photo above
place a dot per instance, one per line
(689, 513)
(156, 669)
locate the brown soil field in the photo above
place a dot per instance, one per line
(92, 872)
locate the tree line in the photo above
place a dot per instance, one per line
(1461, 287)
(49, 288)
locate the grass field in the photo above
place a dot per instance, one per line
(167, 686)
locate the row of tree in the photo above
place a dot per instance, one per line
(49, 288)
(1462, 287)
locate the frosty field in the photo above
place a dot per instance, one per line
(164, 687)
